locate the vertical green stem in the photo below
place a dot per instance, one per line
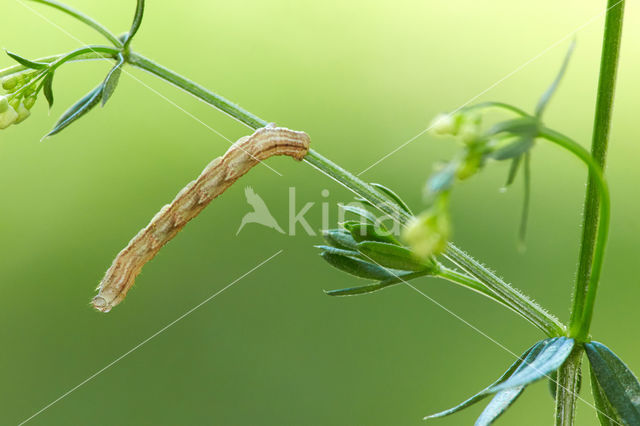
(585, 288)
(584, 294)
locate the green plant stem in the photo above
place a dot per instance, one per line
(89, 56)
(581, 331)
(567, 387)
(514, 299)
(469, 283)
(83, 18)
(586, 284)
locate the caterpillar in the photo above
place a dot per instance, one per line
(219, 175)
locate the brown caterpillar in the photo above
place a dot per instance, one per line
(219, 175)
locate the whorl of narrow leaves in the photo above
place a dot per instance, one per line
(537, 362)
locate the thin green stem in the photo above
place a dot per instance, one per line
(515, 300)
(501, 105)
(470, 283)
(84, 19)
(591, 244)
(580, 329)
(196, 90)
(89, 56)
(108, 51)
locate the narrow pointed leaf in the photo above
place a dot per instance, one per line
(393, 197)
(505, 398)
(335, 250)
(546, 96)
(359, 211)
(551, 356)
(341, 239)
(513, 170)
(27, 63)
(391, 256)
(369, 232)
(371, 288)
(80, 108)
(111, 82)
(516, 126)
(524, 217)
(513, 149)
(47, 88)
(137, 20)
(486, 392)
(620, 387)
(356, 267)
(606, 414)
(498, 405)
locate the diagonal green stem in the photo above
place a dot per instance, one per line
(515, 300)
(84, 19)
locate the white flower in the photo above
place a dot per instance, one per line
(445, 124)
(8, 117)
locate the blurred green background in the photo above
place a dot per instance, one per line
(362, 78)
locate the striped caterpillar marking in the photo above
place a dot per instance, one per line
(219, 175)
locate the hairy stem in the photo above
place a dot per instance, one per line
(586, 283)
(567, 387)
(513, 299)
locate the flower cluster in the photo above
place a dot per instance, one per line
(15, 106)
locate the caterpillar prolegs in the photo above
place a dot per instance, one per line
(219, 175)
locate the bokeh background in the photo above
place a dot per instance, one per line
(362, 78)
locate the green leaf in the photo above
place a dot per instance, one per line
(498, 405)
(513, 149)
(517, 126)
(356, 267)
(513, 170)
(546, 96)
(137, 20)
(606, 414)
(486, 392)
(365, 214)
(27, 63)
(391, 256)
(341, 239)
(552, 355)
(47, 88)
(80, 108)
(111, 82)
(342, 252)
(505, 398)
(371, 288)
(393, 197)
(618, 385)
(369, 232)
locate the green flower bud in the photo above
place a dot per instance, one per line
(23, 113)
(8, 117)
(4, 104)
(10, 83)
(30, 102)
(445, 124)
(428, 233)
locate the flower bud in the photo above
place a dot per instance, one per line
(4, 104)
(10, 83)
(30, 102)
(445, 124)
(428, 233)
(8, 116)
(23, 113)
